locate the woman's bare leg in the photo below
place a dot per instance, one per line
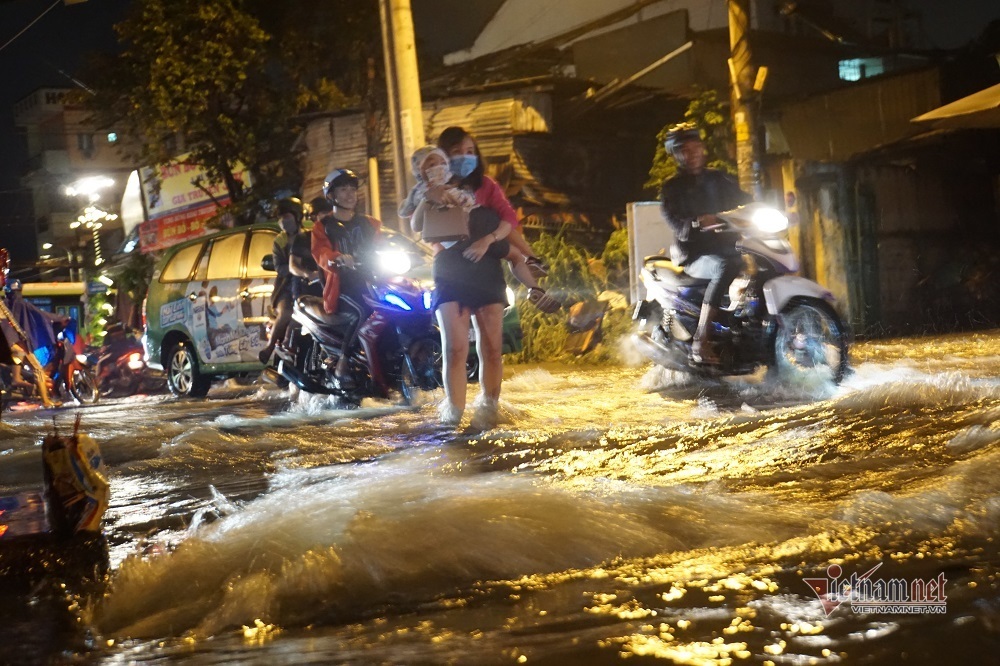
(489, 344)
(454, 322)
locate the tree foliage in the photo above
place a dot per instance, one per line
(712, 117)
(225, 81)
(132, 276)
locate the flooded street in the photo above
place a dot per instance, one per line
(614, 512)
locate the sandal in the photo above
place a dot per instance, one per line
(537, 268)
(543, 301)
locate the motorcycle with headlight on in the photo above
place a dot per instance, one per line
(772, 318)
(397, 348)
(121, 367)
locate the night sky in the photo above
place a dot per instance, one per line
(61, 38)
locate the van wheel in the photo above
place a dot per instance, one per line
(183, 378)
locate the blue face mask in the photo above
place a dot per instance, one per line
(463, 165)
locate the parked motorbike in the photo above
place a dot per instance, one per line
(74, 366)
(772, 318)
(585, 325)
(397, 347)
(68, 365)
(121, 369)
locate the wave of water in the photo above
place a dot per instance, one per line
(619, 510)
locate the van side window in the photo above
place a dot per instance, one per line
(178, 269)
(227, 253)
(261, 243)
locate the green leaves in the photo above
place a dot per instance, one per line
(226, 80)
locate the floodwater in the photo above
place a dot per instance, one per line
(613, 513)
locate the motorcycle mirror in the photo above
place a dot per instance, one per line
(267, 262)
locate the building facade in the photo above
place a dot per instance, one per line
(63, 148)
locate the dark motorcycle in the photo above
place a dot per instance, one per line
(397, 347)
(121, 368)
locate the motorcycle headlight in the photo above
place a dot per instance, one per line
(135, 361)
(770, 220)
(81, 359)
(394, 262)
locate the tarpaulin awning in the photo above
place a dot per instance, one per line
(978, 110)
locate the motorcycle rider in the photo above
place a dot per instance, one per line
(689, 202)
(339, 240)
(300, 261)
(286, 244)
(117, 342)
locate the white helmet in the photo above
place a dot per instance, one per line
(337, 178)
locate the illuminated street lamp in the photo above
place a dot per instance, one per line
(89, 187)
(93, 218)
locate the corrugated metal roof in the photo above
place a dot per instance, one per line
(493, 118)
(332, 143)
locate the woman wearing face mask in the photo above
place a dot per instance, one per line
(466, 162)
(468, 283)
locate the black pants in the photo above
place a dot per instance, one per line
(351, 300)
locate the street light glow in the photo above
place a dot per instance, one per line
(89, 187)
(46, 246)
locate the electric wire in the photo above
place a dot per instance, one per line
(25, 28)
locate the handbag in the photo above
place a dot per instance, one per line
(441, 224)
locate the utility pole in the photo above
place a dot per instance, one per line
(406, 118)
(741, 73)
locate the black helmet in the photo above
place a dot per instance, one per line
(678, 134)
(339, 178)
(291, 205)
(320, 207)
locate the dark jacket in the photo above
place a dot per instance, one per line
(283, 250)
(279, 252)
(685, 197)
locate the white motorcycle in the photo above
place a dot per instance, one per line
(772, 318)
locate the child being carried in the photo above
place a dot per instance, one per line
(440, 211)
